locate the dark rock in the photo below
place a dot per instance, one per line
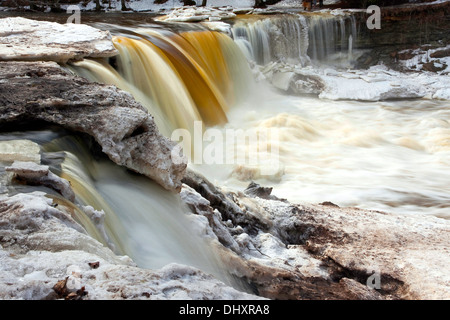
(255, 190)
(328, 203)
(431, 66)
(403, 28)
(440, 53)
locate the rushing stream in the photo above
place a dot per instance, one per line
(390, 155)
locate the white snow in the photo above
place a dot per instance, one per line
(149, 5)
(42, 245)
(24, 150)
(375, 84)
(193, 14)
(51, 40)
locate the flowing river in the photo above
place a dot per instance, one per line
(386, 155)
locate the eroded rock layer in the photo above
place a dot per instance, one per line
(43, 91)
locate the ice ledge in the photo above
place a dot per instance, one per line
(25, 39)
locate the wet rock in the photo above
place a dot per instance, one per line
(256, 190)
(94, 265)
(328, 203)
(121, 126)
(403, 28)
(21, 150)
(328, 252)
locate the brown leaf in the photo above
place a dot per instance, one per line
(60, 287)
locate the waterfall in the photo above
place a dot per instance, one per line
(181, 77)
(151, 226)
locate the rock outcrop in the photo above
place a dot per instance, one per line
(43, 91)
(281, 250)
(34, 174)
(403, 27)
(323, 251)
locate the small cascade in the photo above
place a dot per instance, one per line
(297, 39)
(151, 226)
(330, 37)
(275, 38)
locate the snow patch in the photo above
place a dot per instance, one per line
(25, 39)
(375, 84)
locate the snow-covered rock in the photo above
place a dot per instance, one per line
(195, 14)
(43, 91)
(25, 39)
(45, 254)
(41, 175)
(375, 84)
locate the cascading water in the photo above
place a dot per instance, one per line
(152, 226)
(297, 39)
(180, 77)
(271, 39)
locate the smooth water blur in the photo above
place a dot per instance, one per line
(391, 156)
(300, 39)
(142, 220)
